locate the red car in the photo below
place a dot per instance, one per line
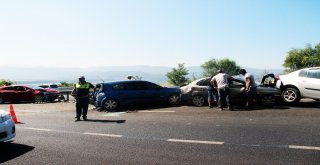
(20, 93)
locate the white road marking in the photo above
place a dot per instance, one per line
(37, 129)
(195, 141)
(157, 111)
(304, 147)
(113, 114)
(315, 148)
(99, 134)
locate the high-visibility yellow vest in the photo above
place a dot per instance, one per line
(83, 86)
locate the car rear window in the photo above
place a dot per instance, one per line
(53, 86)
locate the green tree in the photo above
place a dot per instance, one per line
(66, 84)
(178, 75)
(302, 58)
(212, 66)
(3, 82)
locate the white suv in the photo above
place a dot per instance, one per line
(303, 83)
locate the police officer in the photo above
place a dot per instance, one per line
(81, 93)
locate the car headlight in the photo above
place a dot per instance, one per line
(5, 118)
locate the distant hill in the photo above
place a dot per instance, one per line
(43, 75)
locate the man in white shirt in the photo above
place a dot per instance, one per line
(251, 88)
(221, 83)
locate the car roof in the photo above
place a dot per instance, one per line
(123, 81)
(312, 68)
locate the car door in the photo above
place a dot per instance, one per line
(311, 83)
(201, 88)
(154, 92)
(24, 94)
(236, 93)
(125, 92)
(8, 94)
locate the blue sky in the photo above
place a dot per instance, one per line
(86, 33)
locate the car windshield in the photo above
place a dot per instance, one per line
(35, 87)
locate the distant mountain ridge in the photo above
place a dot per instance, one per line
(155, 74)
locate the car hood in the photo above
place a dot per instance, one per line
(3, 113)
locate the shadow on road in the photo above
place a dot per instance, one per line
(135, 107)
(307, 104)
(285, 106)
(10, 151)
(106, 121)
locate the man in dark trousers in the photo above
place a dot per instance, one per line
(81, 93)
(221, 82)
(251, 88)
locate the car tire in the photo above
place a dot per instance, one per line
(111, 105)
(267, 100)
(38, 99)
(1, 100)
(291, 95)
(198, 101)
(174, 99)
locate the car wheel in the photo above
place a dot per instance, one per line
(111, 105)
(291, 95)
(174, 99)
(38, 99)
(198, 100)
(268, 101)
(1, 100)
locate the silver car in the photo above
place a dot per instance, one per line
(303, 83)
(196, 92)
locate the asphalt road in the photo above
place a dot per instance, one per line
(165, 135)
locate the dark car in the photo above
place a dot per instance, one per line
(51, 86)
(113, 94)
(49, 94)
(196, 92)
(20, 93)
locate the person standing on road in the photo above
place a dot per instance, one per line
(211, 94)
(221, 82)
(81, 93)
(251, 88)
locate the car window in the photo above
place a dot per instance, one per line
(43, 86)
(140, 85)
(124, 86)
(236, 82)
(8, 88)
(314, 74)
(53, 86)
(119, 86)
(303, 73)
(20, 89)
(152, 85)
(204, 82)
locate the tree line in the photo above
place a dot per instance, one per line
(295, 60)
